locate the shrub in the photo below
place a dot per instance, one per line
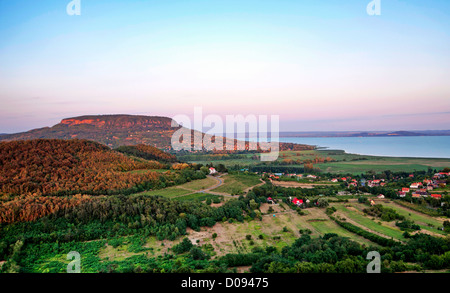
(183, 246)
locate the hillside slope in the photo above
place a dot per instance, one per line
(61, 167)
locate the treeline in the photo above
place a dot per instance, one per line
(384, 213)
(335, 254)
(327, 254)
(268, 189)
(211, 157)
(147, 152)
(31, 208)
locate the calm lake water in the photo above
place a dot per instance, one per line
(399, 146)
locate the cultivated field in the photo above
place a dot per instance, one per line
(236, 184)
(184, 189)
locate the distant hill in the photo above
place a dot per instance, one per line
(401, 133)
(364, 133)
(110, 130)
(116, 130)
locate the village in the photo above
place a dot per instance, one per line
(421, 189)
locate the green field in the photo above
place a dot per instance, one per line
(344, 163)
(183, 189)
(235, 184)
(199, 197)
(356, 164)
(359, 218)
(169, 192)
(425, 222)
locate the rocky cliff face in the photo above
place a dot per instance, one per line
(120, 121)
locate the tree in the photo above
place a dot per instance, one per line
(322, 203)
(205, 170)
(197, 254)
(253, 204)
(182, 247)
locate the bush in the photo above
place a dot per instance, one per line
(305, 231)
(330, 210)
(362, 199)
(197, 254)
(183, 246)
(407, 226)
(322, 203)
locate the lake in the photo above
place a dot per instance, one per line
(398, 146)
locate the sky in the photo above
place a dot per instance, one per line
(322, 65)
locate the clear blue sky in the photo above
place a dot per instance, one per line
(320, 65)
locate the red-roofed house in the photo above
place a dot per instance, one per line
(401, 193)
(405, 189)
(437, 196)
(416, 185)
(297, 201)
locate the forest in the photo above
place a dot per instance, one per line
(62, 167)
(39, 177)
(147, 152)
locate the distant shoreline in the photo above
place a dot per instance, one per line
(364, 133)
(399, 147)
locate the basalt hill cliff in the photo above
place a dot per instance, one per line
(111, 130)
